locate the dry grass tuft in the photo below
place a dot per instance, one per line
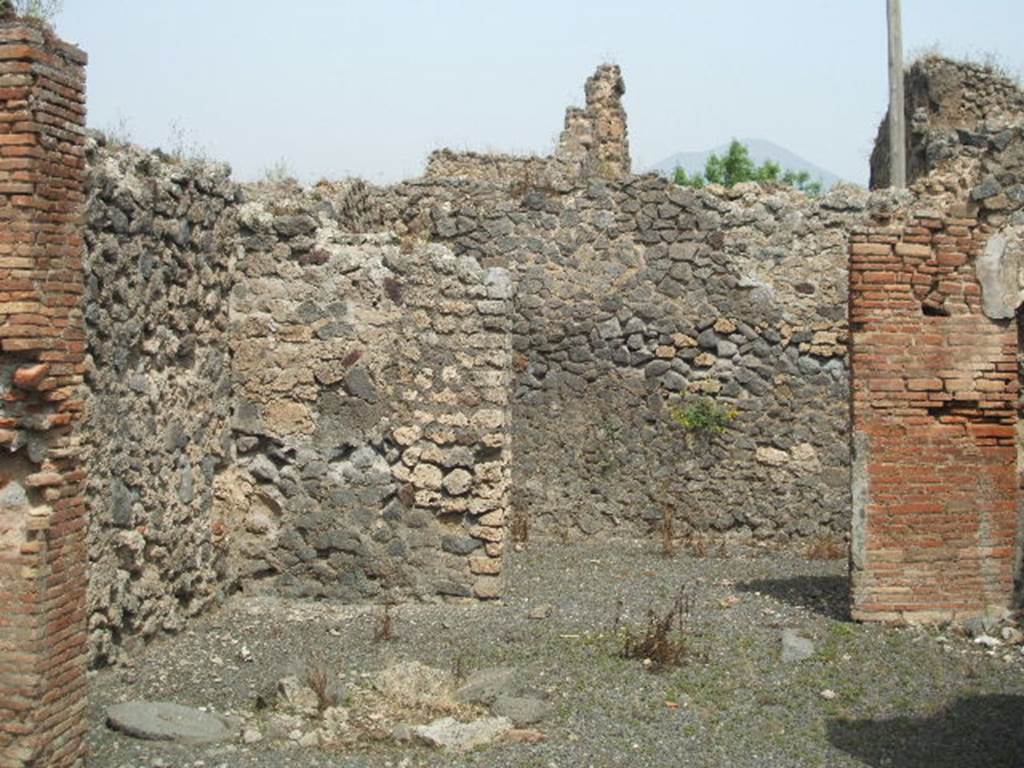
(519, 526)
(826, 548)
(318, 679)
(661, 642)
(385, 630)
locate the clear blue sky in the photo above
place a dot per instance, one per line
(369, 87)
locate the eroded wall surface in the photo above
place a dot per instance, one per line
(43, 562)
(370, 415)
(160, 234)
(636, 295)
(320, 387)
(936, 288)
(594, 142)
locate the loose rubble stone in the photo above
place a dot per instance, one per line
(449, 733)
(486, 685)
(795, 647)
(521, 710)
(165, 721)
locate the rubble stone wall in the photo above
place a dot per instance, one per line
(371, 387)
(448, 164)
(952, 107)
(593, 142)
(636, 294)
(159, 270)
(319, 387)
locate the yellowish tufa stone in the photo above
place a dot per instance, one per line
(490, 566)
(487, 587)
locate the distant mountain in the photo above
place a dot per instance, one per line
(760, 150)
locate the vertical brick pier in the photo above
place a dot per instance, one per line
(934, 384)
(43, 555)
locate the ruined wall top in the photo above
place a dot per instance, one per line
(951, 106)
(597, 136)
(594, 141)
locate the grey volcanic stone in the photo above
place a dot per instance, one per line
(521, 710)
(989, 187)
(485, 686)
(359, 384)
(449, 733)
(795, 647)
(164, 721)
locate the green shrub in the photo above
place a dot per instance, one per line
(736, 167)
(703, 415)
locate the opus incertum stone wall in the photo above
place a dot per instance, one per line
(348, 391)
(593, 142)
(315, 394)
(635, 295)
(160, 238)
(42, 347)
(370, 411)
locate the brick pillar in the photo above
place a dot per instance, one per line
(934, 423)
(43, 554)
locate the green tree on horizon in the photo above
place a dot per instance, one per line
(736, 167)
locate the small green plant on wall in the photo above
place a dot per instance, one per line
(703, 415)
(701, 418)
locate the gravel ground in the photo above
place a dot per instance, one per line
(903, 696)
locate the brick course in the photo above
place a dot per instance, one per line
(934, 387)
(42, 511)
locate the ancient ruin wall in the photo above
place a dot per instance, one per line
(623, 297)
(636, 294)
(935, 414)
(42, 511)
(951, 109)
(596, 137)
(448, 164)
(935, 296)
(594, 142)
(159, 232)
(371, 386)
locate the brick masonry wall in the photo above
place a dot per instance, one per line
(42, 511)
(935, 386)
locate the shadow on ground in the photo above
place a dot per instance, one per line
(975, 731)
(827, 595)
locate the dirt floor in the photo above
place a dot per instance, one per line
(868, 696)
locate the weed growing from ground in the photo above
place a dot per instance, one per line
(520, 527)
(318, 679)
(661, 642)
(385, 630)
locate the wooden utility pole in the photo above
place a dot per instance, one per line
(897, 119)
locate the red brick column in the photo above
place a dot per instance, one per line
(43, 555)
(934, 420)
